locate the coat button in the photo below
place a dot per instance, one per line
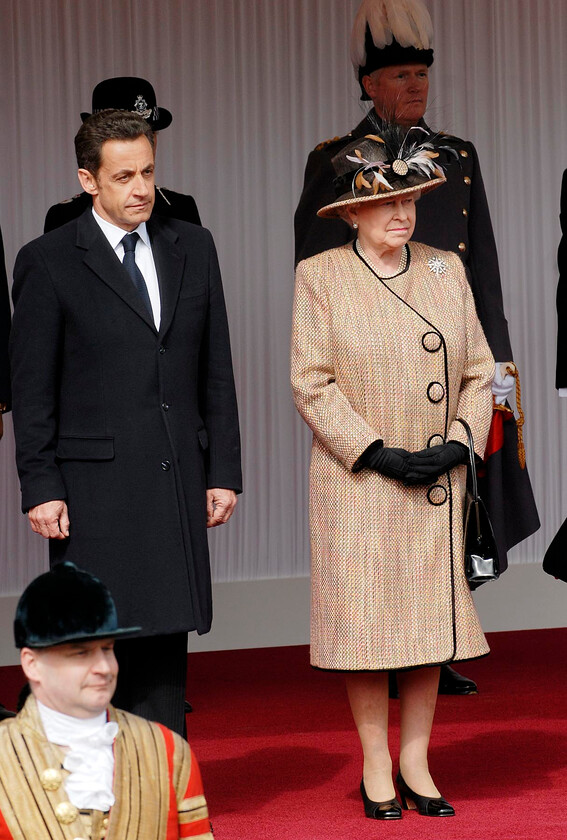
(431, 342)
(465, 211)
(165, 406)
(161, 349)
(66, 813)
(467, 180)
(165, 465)
(462, 247)
(51, 779)
(435, 392)
(463, 153)
(437, 495)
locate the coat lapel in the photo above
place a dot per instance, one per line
(169, 259)
(100, 258)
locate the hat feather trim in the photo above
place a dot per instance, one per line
(408, 21)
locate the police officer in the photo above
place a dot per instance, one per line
(128, 93)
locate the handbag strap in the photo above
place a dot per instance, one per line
(471, 457)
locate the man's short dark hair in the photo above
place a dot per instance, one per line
(103, 126)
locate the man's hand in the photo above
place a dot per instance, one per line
(50, 520)
(220, 505)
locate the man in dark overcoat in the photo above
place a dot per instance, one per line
(125, 415)
(454, 217)
(5, 391)
(128, 93)
(5, 318)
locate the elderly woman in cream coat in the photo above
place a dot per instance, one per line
(387, 353)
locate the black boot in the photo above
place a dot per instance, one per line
(451, 682)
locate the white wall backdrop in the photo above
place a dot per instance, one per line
(253, 85)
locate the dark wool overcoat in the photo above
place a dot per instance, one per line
(128, 424)
(5, 396)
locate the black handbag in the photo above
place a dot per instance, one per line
(480, 549)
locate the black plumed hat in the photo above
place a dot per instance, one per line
(64, 605)
(390, 32)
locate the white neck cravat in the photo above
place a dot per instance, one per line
(90, 757)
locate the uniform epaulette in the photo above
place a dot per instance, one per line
(69, 200)
(450, 138)
(326, 143)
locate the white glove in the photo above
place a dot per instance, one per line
(503, 383)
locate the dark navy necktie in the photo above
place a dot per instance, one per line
(129, 263)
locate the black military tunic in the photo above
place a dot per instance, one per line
(453, 217)
(168, 203)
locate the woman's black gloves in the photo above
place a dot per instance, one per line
(411, 468)
(391, 462)
(436, 460)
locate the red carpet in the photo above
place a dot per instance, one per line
(280, 757)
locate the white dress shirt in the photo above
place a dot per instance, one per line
(143, 255)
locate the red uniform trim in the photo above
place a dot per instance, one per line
(4, 830)
(172, 822)
(194, 788)
(495, 435)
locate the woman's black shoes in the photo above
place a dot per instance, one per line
(425, 805)
(390, 810)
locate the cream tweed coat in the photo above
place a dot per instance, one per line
(397, 360)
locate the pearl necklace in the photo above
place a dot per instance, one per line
(402, 265)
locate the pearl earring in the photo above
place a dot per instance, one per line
(355, 225)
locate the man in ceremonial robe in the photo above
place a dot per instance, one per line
(73, 766)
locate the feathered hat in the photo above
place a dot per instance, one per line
(64, 605)
(395, 161)
(387, 32)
